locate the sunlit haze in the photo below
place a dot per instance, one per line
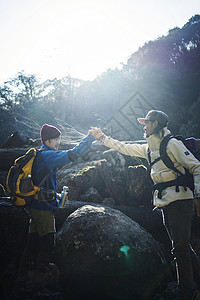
(56, 38)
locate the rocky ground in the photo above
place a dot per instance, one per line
(109, 209)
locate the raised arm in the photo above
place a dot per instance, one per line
(137, 150)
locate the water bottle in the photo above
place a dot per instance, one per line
(64, 198)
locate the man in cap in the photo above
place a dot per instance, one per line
(176, 204)
(40, 245)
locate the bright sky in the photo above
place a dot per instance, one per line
(81, 38)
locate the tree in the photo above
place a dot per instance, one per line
(24, 87)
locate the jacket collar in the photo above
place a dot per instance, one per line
(45, 147)
(154, 141)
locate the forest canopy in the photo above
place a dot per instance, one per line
(163, 74)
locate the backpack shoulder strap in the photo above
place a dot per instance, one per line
(149, 155)
(163, 154)
(163, 144)
(48, 175)
(151, 163)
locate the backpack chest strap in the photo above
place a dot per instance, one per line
(179, 181)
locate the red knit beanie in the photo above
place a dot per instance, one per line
(48, 132)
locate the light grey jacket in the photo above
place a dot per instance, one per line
(180, 156)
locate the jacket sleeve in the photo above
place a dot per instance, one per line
(58, 158)
(183, 156)
(138, 150)
(81, 148)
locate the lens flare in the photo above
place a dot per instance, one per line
(125, 250)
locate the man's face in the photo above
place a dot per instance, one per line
(53, 143)
(149, 127)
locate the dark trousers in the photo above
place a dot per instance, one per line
(39, 250)
(177, 217)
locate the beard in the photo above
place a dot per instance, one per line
(145, 135)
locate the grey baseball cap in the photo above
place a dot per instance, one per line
(155, 115)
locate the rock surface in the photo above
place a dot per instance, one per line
(113, 175)
(143, 215)
(14, 223)
(101, 252)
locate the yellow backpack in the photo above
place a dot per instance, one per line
(19, 183)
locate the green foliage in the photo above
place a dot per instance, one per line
(192, 126)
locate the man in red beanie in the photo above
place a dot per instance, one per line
(40, 245)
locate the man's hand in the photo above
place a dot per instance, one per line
(197, 206)
(96, 132)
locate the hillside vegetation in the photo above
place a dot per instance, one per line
(163, 74)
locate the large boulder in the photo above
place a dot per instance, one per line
(113, 176)
(149, 219)
(14, 222)
(17, 139)
(13, 235)
(8, 156)
(79, 177)
(102, 253)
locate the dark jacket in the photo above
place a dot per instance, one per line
(46, 162)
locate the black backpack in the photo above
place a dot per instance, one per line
(186, 180)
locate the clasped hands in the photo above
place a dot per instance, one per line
(95, 132)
